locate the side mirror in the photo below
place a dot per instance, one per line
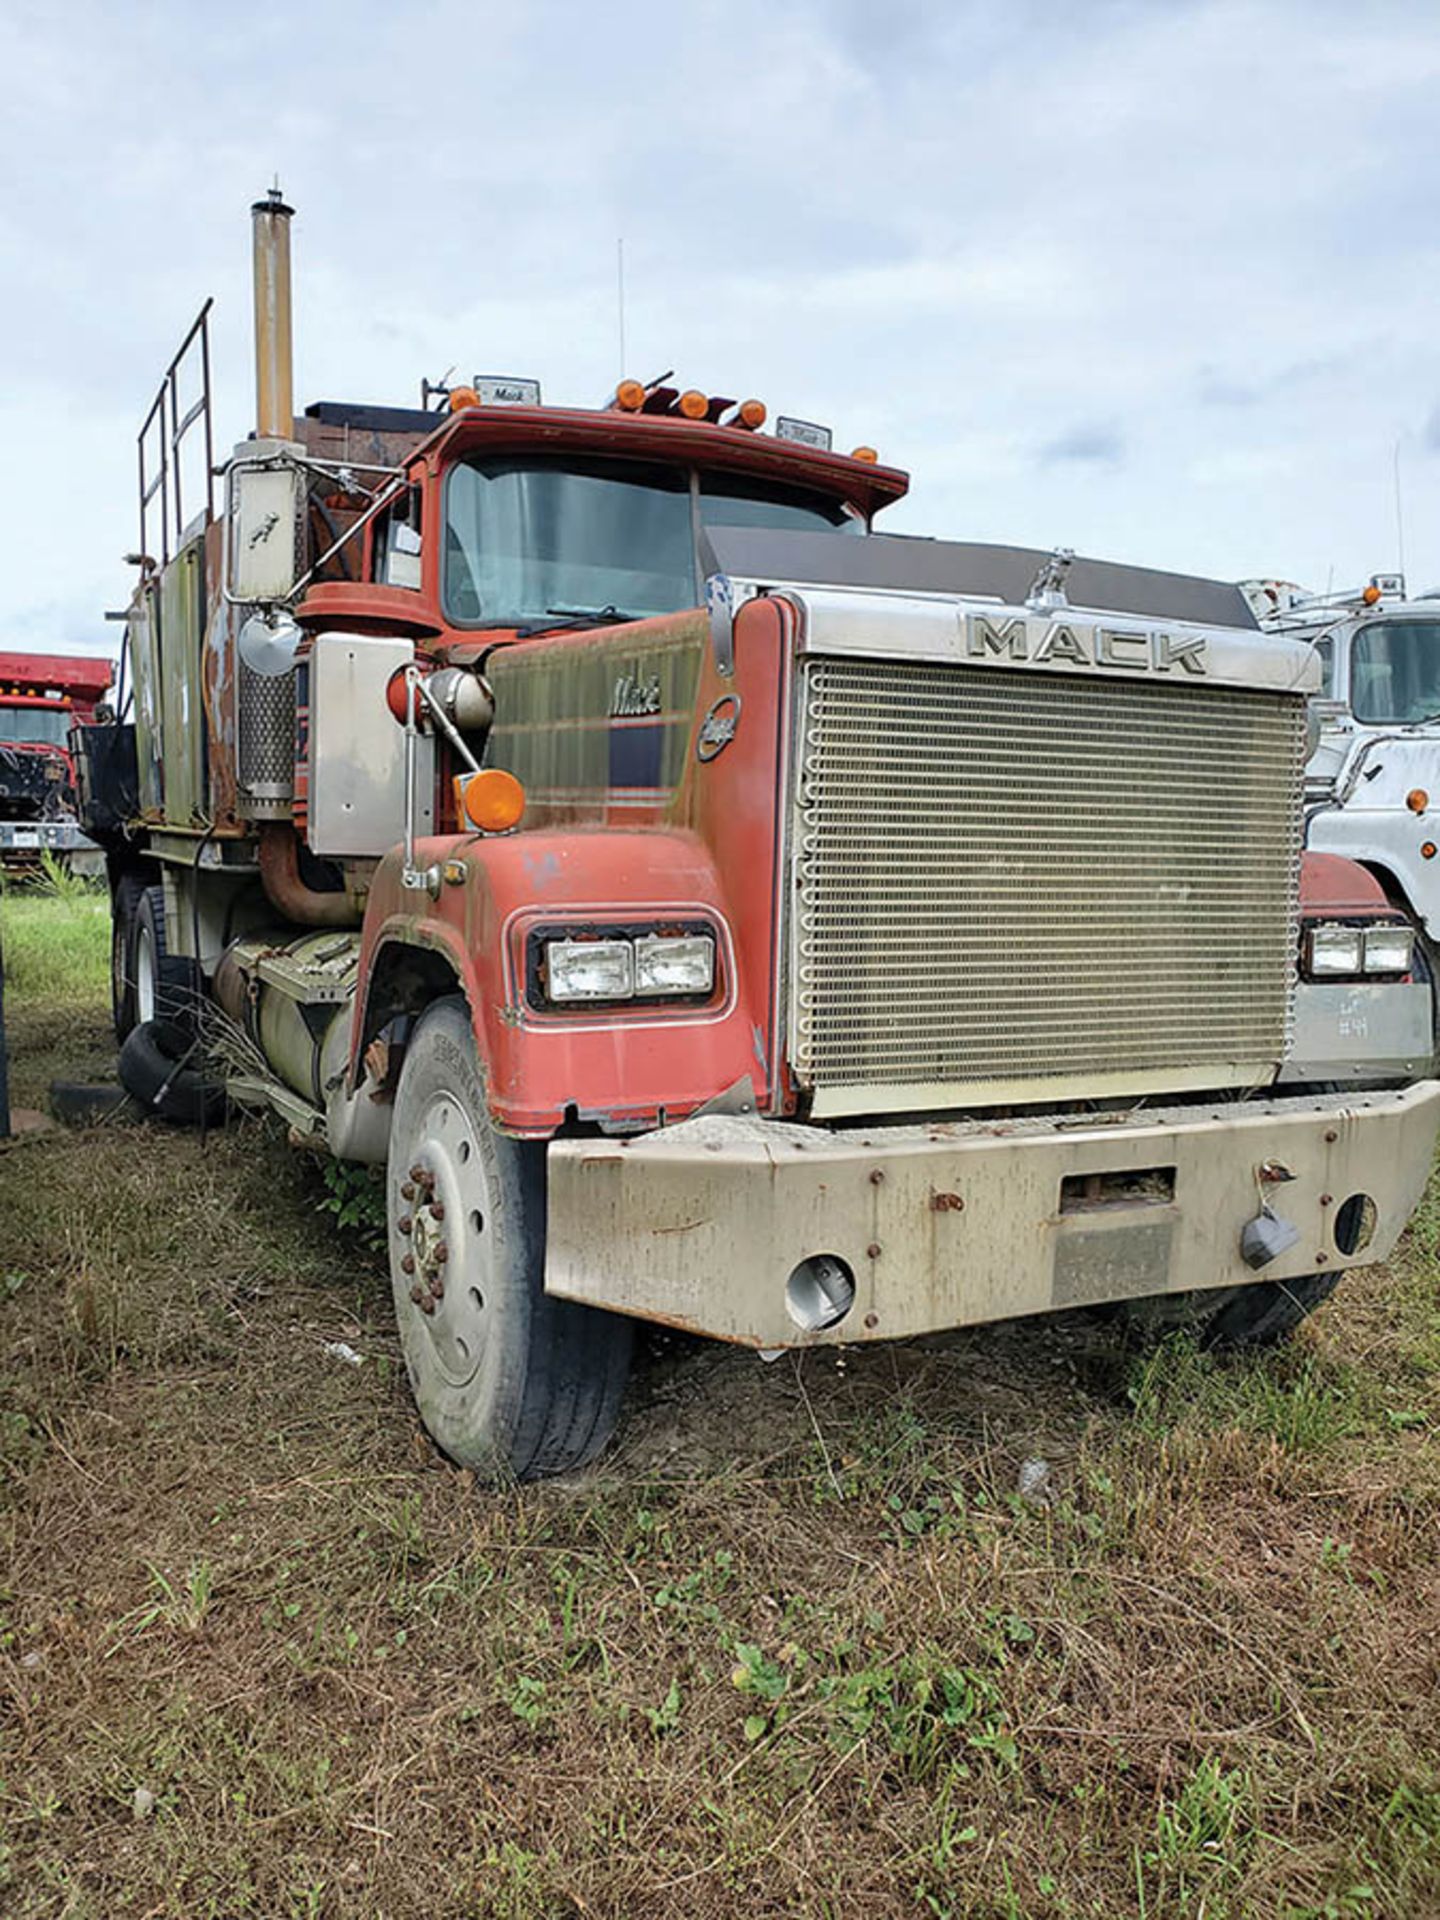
(265, 502)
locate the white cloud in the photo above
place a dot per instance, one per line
(971, 234)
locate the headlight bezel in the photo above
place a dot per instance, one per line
(1339, 950)
(540, 937)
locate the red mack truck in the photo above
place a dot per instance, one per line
(711, 911)
(42, 697)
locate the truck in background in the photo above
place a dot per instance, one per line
(711, 911)
(1372, 782)
(43, 697)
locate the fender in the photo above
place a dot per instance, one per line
(621, 1067)
(1331, 884)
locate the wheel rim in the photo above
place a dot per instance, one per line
(443, 1234)
(144, 975)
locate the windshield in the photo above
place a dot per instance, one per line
(35, 726)
(523, 541)
(527, 541)
(732, 500)
(1395, 672)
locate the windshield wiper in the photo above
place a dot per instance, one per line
(580, 617)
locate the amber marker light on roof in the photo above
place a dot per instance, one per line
(867, 454)
(693, 404)
(491, 800)
(462, 397)
(751, 414)
(1371, 594)
(1417, 799)
(630, 396)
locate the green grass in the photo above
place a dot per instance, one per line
(57, 948)
(797, 1646)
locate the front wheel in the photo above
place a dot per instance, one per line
(1231, 1319)
(508, 1381)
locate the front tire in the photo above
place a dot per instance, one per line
(508, 1381)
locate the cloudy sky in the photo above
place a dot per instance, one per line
(1156, 281)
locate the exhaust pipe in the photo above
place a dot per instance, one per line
(274, 370)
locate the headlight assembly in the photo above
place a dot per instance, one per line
(1345, 953)
(572, 965)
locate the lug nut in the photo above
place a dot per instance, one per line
(417, 1293)
(404, 1223)
(417, 1173)
(442, 1252)
(437, 1287)
(407, 1264)
(407, 1191)
(437, 1209)
(427, 1305)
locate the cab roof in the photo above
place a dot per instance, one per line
(670, 438)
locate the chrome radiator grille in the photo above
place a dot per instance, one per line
(1012, 885)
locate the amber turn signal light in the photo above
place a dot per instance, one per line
(693, 404)
(1417, 799)
(491, 801)
(630, 396)
(462, 397)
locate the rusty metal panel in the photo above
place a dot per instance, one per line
(182, 710)
(599, 726)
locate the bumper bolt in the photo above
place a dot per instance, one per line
(872, 1320)
(1331, 1136)
(873, 1250)
(877, 1178)
(1327, 1199)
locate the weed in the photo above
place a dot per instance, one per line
(181, 1605)
(354, 1196)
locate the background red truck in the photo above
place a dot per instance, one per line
(42, 696)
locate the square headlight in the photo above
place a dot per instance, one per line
(589, 970)
(683, 963)
(1335, 950)
(1389, 949)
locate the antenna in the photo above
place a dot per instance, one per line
(1399, 510)
(620, 299)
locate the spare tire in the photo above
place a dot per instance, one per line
(158, 1069)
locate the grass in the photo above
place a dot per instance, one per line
(797, 1647)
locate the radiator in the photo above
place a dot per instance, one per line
(1011, 887)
